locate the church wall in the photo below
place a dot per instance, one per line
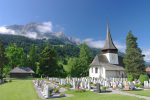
(114, 74)
(100, 73)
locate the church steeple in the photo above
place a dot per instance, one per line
(109, 45)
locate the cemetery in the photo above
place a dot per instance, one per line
(106, 78)
(47, 87)
(69, 50)
(72, 88)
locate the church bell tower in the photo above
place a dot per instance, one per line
(109, 49)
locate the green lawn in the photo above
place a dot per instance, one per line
(18, 90)
(142, 92)
(96, 96)
(24, 90)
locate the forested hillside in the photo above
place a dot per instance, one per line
(28, 52)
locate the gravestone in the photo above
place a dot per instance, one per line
(74, 84)
(120, 85)
(98, 89)
(145, 84)
(114, 85)
(149, 85)
(78, 85)
(89, 85)
(132, 86)
(126, 86)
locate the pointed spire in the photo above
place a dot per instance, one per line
(109, 45)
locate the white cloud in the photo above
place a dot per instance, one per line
(147, 54)
(100, 43)
(45, 27)
(41, 28)
(120, 46)
(31, 35)
(4, 30)
(93, 43)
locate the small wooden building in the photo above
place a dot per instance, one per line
(21, 72)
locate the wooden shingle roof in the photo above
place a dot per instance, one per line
(22, 70)
(109, 45)
(101, 61)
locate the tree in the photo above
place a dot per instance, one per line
(2, 59)
(74, 67)
(80, 66)
(133, 60)
(85, 59)
(32, 58)
(16, 56)
(48, 62)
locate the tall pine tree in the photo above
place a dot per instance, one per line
(80, 66)
(133, 60)
(48, 62)
(85, 59)
(33, 57)
(2, 59)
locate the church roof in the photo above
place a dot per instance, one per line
(109, 45)
(101, 60)
(22, 70)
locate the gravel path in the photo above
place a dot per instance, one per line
(128, 94)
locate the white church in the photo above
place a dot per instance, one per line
(107, 64)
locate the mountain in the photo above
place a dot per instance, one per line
(38, 34)
(37, 31)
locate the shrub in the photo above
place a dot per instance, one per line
(143, 78)
(66, 86)
(56, 90)
(130, 77)
(9, 80)
(62, 95)
(50, 91)
(139, 85)
(103, 88)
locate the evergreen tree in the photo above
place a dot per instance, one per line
(75, 71)
(2, 59)
(133, 60)
(32, 58)
(80, 66)
(48, 61)
(84, 59)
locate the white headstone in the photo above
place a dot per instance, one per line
(89, 85)
(145, 84)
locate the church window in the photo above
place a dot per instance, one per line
(96, 70)
(92, 70)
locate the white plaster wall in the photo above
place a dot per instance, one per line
(101, 72)
(112, 58)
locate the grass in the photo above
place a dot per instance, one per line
(24, 90)
(95, 96)
(142, 92)
(18, 90)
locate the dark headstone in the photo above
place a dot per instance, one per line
(98, 89)
(132, 87)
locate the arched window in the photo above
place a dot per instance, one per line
(96, 70)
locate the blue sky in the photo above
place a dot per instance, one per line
(85, 19)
